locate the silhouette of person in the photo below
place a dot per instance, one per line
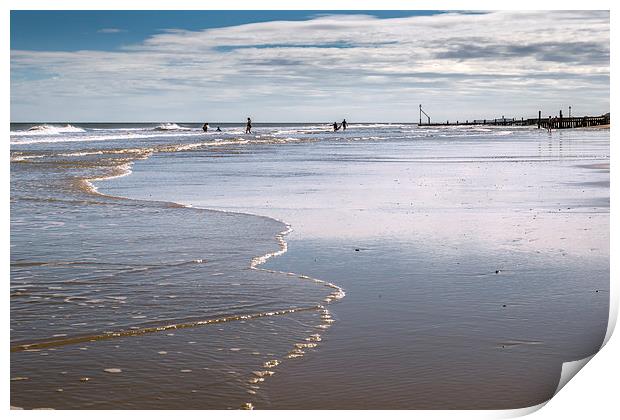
(218, 128)
(344, 125)
(248, 126)
(336, 126)
(205, 127)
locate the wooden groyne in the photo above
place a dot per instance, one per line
(557, 122)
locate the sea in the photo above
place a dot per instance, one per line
(388, 266)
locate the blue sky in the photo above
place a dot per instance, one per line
(76, 30)
(305, 65)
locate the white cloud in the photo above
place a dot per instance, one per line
(458, 65)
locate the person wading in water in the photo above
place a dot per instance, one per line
(248, 126)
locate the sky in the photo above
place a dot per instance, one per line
(306, 66)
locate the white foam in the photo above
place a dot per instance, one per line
(170, 127)
(125, 170)
(103, 137)
(20, 158)
(48, 130)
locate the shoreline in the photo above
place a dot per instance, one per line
(595, 127)
(89, 186)
(373, 275)
(377, 268)
(256, 262)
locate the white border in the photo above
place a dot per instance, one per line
(593, 394)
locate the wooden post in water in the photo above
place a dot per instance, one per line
(560, 123)
(539, 113)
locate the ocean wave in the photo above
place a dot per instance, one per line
(136, 151)
(307, 129)
(48, 130)
(170, 127)
(377, 125)
(122, 129)
(21, 158)
(103, 137)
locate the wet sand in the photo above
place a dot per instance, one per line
(473, 267)
(126, 304)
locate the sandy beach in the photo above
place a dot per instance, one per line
(307, 209)
(476, 257)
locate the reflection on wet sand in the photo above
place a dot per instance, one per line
(474, 262)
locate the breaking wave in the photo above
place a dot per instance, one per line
(170, 127)
(48, 130)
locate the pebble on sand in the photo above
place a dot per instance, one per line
(84, 379)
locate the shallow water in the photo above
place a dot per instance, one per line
(475, 261)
